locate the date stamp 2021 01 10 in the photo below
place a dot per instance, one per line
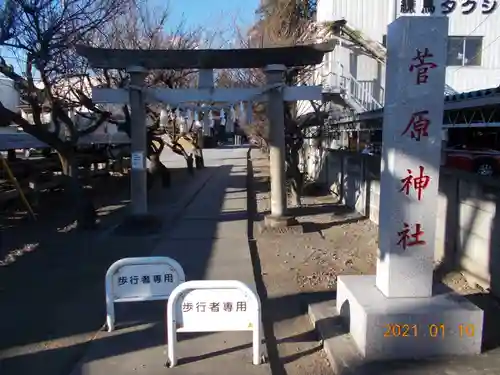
(429, 330)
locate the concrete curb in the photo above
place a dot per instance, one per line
(340, 348)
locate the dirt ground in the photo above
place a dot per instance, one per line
(298, 268)
(20, 234)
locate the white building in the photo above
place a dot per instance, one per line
(9, 96)
(473, 48)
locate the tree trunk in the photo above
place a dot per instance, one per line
(198, 158)
(189, 163)
(11, 155)
(179, 150)
(296, 178)
(86, 216)
(158, 170)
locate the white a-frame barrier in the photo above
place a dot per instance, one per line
(186, 298)
(140, 279)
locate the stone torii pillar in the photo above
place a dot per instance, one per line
(275, 114)
(138, 185)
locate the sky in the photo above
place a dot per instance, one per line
(214, 15)
(221, 15)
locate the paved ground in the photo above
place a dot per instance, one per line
(210, 242)
(53, 300)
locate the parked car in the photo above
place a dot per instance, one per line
(29, 152)
(483, 161)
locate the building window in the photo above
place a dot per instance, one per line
(464, 50)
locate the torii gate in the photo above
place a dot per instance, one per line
(273, 60)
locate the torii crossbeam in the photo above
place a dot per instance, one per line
(108, 58)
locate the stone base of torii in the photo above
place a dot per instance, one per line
(400, 313)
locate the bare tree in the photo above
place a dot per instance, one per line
(142, 28)
(287, 23)
(281, 23)
(42, 33)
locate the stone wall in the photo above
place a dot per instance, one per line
(468, 212)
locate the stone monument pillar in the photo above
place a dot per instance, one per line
(397, 313)
(411, 156)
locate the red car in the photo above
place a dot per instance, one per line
(474, 149)
(483, 161)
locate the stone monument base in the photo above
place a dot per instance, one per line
(408, 328)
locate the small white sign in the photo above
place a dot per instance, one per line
(140, 279)
(144, 282)
(137, 160)
(213, 306)
(214, 310)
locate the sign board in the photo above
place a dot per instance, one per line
(140, 279)
(215, 310)
(213, 306)
(137, 160)
(446, 7)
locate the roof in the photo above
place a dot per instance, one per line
(19, 141)
(473, 99)
(494, 91)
